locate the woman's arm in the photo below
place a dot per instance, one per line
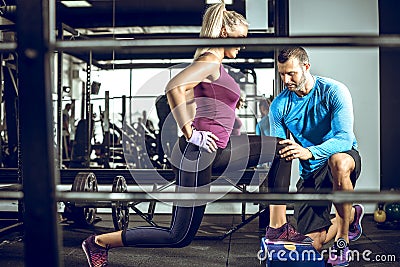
(179, 90)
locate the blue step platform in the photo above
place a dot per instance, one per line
(285, 254)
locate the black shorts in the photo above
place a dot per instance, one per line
(310, 216)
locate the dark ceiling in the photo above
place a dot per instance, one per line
(124, 13)
(105, 16)
(128, 13)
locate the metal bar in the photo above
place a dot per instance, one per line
(89, 110)
(92, 204)
(253, 44)
(337, 197)
(15, 187)
(4, 230)
(75, 33)
(35, 31)
(130, 94)
(2, 117)
(10, 195)
(281, 26)
(10, 95)
(14, 82)
(8, 47)
(123, 111)
(106, 176)
(106, 129)
(144, 216)
(110, 66)
(281, 18)
(60, 138)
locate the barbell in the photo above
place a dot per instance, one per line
(83, 212)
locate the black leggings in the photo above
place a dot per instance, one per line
(194, 168)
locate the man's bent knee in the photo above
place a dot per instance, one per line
(341, 163)
(341, 166)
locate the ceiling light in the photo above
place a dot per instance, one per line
(73, 3)
(227, 2)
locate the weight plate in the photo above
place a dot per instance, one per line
(120, 209)
(84, 182)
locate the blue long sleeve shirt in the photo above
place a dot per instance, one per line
(321, 121)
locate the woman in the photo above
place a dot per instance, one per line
(202, 98)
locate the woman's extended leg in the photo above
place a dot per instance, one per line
(194, 171)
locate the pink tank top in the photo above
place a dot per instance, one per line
(216, 103)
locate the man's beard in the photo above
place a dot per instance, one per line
(301, 84)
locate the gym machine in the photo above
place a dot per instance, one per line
(83, 213)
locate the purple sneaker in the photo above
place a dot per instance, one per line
(355, 228)
(339, 253)
(286, 233)
(96, 255)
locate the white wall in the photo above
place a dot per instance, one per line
(358, 68)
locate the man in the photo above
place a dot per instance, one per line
(263, 127)
(65, 128)
(318, 113)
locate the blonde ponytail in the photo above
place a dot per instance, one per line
(215, 18)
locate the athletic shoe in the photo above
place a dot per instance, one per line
(339, 253)
(286, 233)
(355, 228)
(96, 255)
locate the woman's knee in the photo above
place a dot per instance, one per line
(181, 240)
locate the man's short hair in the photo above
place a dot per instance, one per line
(293, 52)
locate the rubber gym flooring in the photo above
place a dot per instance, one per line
(238, 249)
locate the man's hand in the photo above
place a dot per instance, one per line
(294, 151)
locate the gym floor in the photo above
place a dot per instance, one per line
(239, 249)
